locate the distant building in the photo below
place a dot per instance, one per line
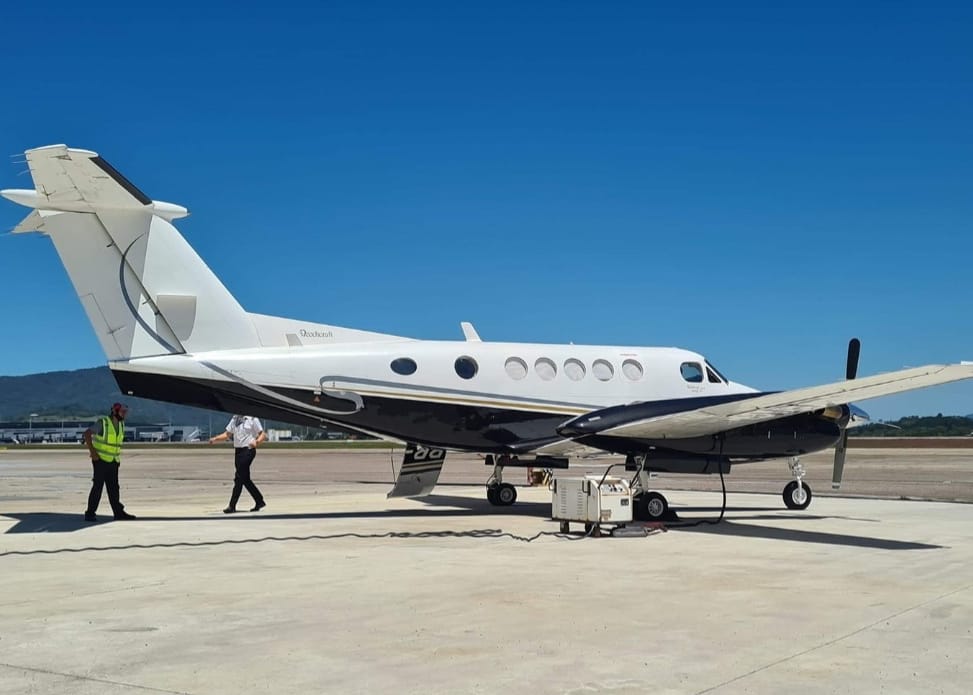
(282, 436)
(72, 432)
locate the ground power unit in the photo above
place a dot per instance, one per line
(593, 500)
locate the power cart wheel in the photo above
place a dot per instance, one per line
(653, 505)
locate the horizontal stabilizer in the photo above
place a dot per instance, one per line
(34, 222)
(74, 180)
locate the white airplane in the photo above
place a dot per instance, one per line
(172, 332)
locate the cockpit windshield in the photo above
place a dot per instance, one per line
(714, 375)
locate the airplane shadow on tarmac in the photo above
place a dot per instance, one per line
(438, 506)
(446, 506)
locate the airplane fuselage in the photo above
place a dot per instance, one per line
(476, 396)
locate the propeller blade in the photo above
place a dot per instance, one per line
(839, 460)
(854, 350)
(851, 371)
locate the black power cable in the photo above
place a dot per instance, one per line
(473, 533)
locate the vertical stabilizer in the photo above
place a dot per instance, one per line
(145, 290)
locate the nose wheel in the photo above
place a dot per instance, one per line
(797, 493)
(797, 496)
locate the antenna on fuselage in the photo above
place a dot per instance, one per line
(470, 333)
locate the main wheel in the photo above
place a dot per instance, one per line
(506, 494)
(653, 505)
(797, 497)
(492, 495)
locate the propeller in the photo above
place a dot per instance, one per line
(851, 371)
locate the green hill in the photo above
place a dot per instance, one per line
(81, 394)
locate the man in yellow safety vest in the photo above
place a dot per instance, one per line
(104, 440)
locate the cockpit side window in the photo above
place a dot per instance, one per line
(691, 372)
(712, 371)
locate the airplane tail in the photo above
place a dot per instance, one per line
(144, 288)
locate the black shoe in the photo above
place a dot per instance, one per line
(124, 516)
(230, 510)
(258, 506)
(90, 516)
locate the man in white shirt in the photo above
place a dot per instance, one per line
(247, 434)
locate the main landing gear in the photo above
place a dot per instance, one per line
(797, 493)
(649, 505)
(499, 493)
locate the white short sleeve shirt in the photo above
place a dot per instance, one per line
(244, 429)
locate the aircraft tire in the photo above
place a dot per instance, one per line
(790, 496)
(492, 495)
(506, 494)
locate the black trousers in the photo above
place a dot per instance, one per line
(242, 459)
(105, 475)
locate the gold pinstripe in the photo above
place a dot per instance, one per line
(556, 410)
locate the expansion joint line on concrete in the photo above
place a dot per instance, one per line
(886, 618)
(122, 684)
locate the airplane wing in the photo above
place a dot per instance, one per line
(625, 421)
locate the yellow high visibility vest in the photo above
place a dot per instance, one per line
(108, 444)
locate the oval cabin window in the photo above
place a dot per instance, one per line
(603, 370)
(404, 366)
(574, 369)
(545, 368)
(466, 367)
(632, 369)
(516, 368)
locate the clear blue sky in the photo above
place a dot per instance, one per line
(758, 183)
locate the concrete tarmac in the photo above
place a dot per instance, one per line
(335, 589)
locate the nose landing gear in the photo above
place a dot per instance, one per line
(797, 493)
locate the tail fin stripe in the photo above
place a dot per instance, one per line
(134, 310)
